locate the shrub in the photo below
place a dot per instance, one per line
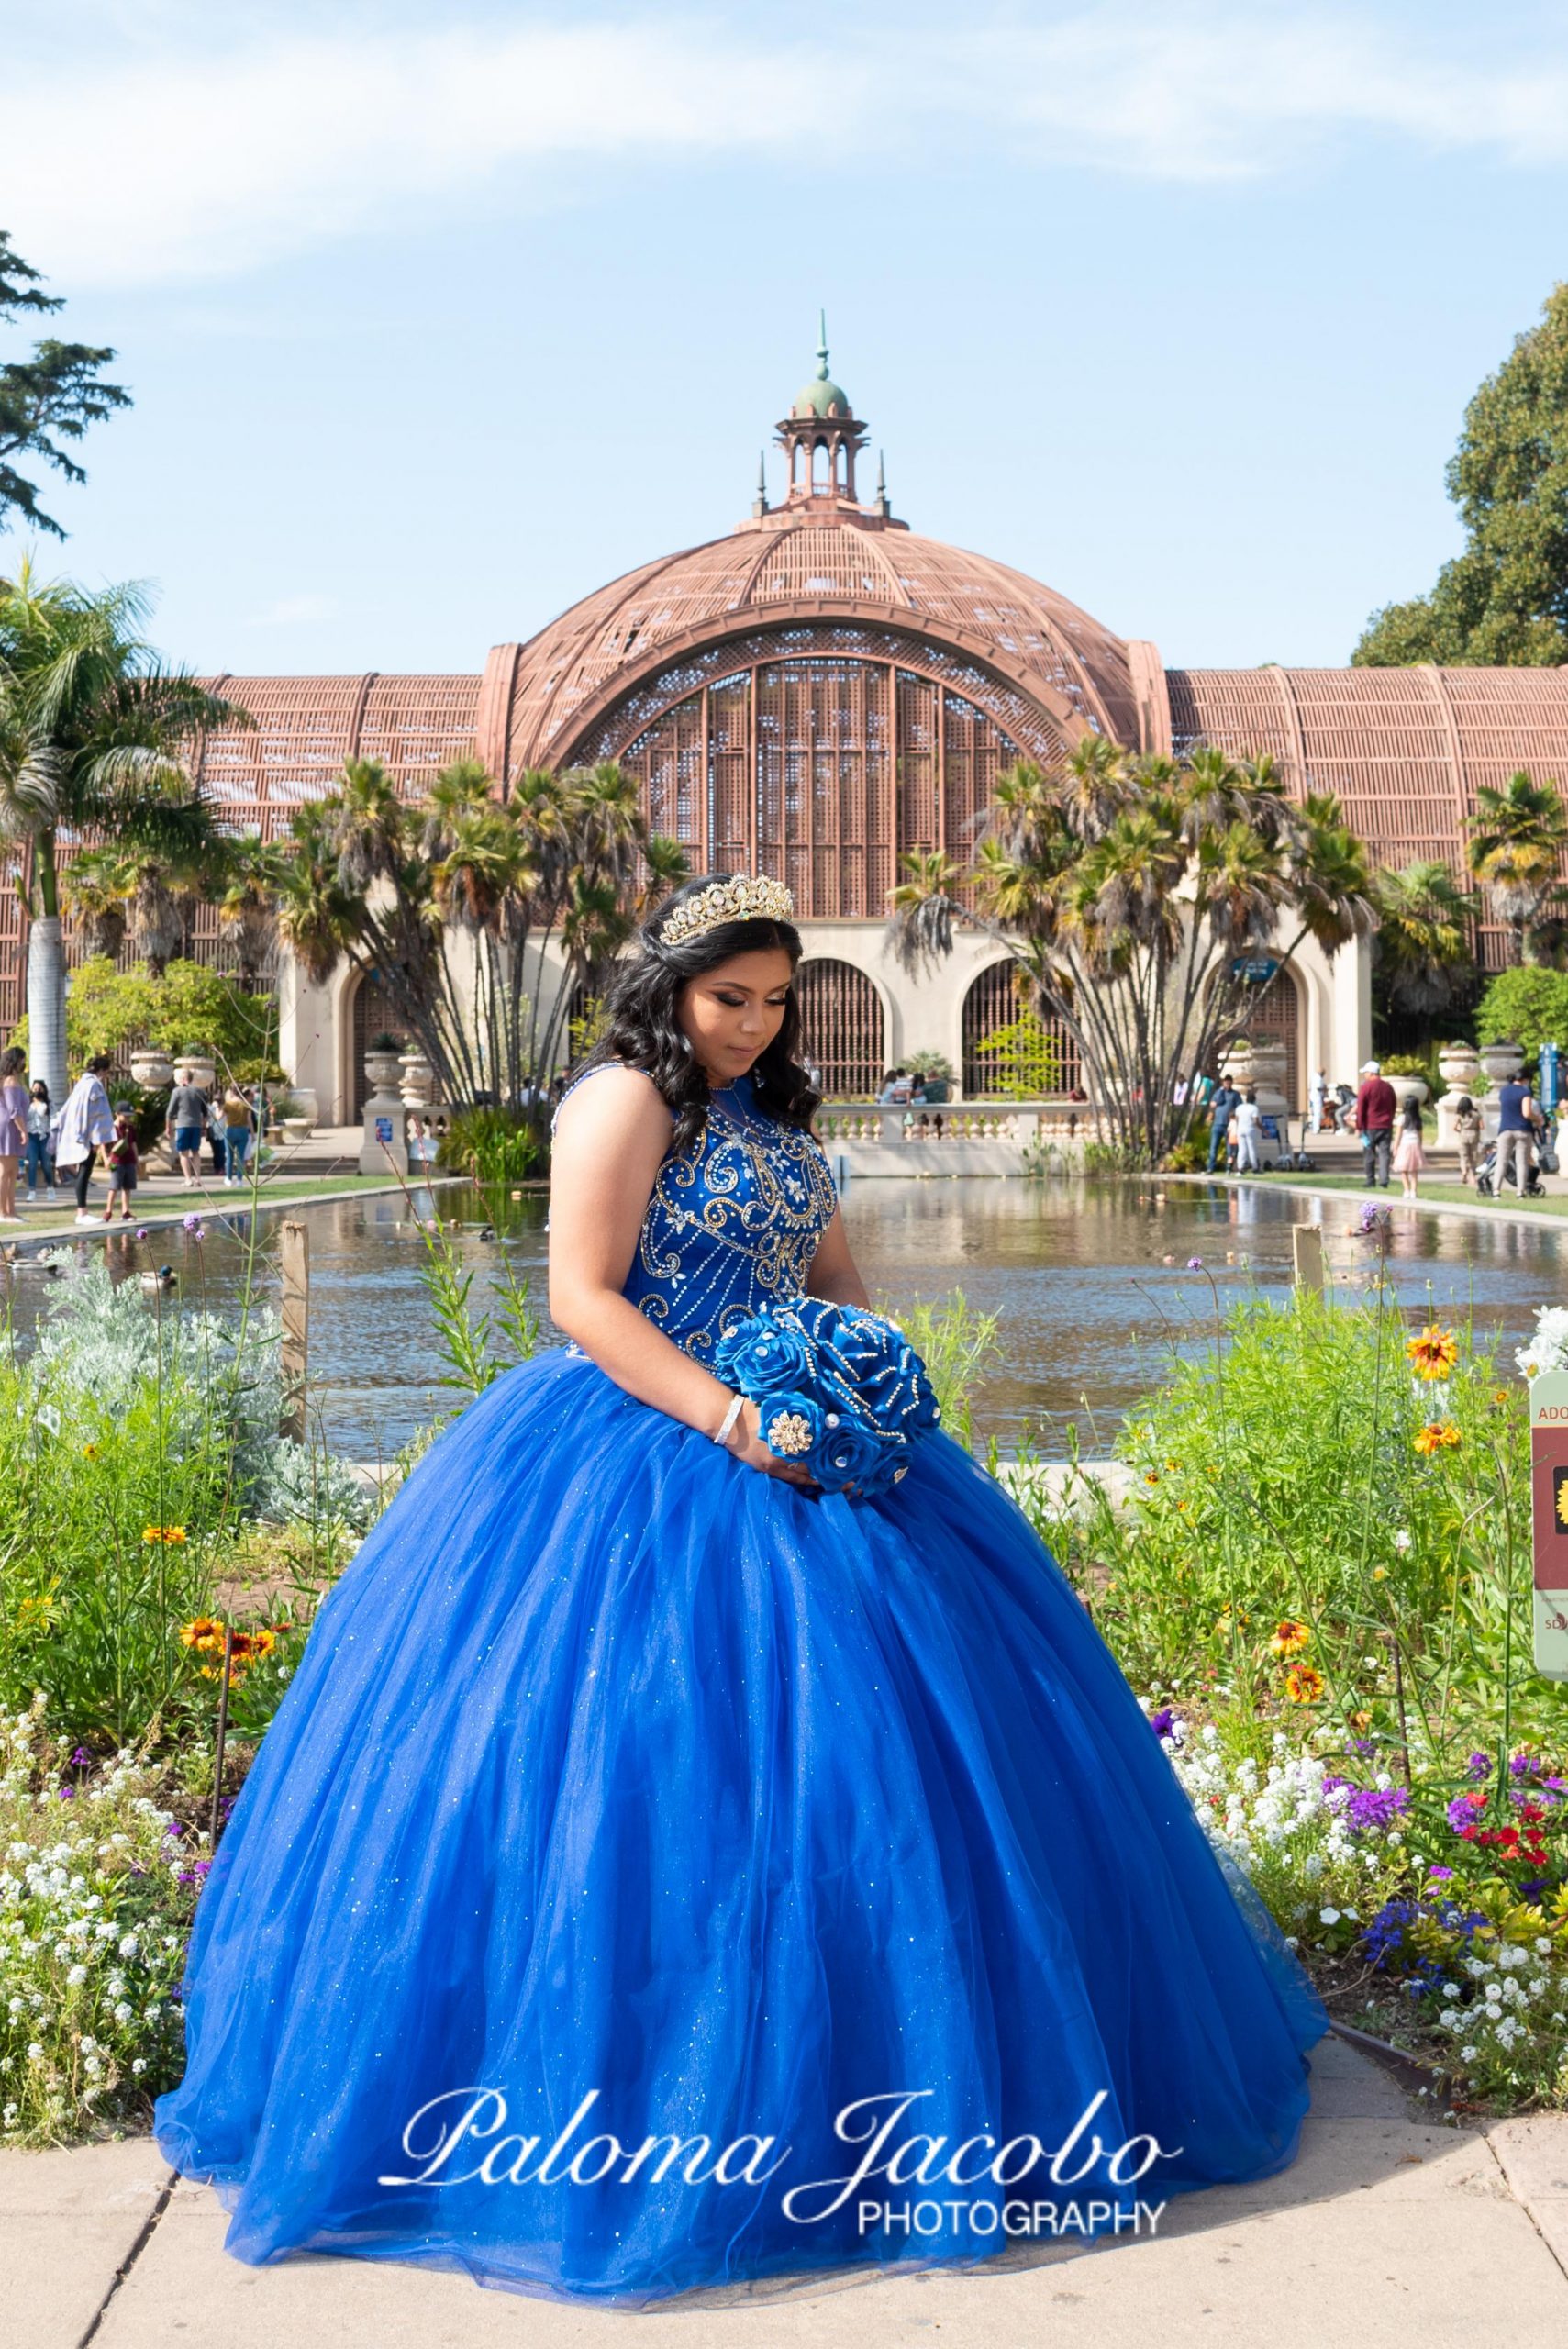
(493, 1145)
(1528, 1006)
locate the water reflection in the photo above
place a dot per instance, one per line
(1089, 1281)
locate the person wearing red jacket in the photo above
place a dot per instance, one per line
(1374, 1112)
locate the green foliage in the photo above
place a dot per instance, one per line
(585, 1029)
(90, 2024)
(1024, 1056)
(1115, 1158)
(493, 1145)
(139, 1444)
(1526, 1005)
(476, 1344)
(1422, 962)
(954, 1341)
(47, 400)
(1503, 601)
(1189, 1157)
(117, 1011)
(1273, 1476)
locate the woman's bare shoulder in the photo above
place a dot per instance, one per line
(625, 1097)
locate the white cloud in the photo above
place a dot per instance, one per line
(185, 164)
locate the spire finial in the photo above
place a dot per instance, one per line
(760, 504)
(822, 346)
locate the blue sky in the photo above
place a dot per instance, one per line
(437, 319)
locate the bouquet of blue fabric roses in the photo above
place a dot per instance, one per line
(841, 1389)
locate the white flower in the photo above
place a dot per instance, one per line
(77, 1975)
(1328, 1916)
(139, 2067)
(1402, 1540)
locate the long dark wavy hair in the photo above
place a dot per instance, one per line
(641, 1027)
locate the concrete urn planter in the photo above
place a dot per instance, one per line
(152, 1070)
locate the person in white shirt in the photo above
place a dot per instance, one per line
(1249, 1121)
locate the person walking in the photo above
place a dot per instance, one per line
(120, 1158)
(1374, 1113)
(1318, 1100)
(1221, 1108)
(1516, 1130)
(236, 1133)
(1409, 1158)
(185, 1124)
(86, 1123)
(218, 1140)
(40, 1143)
(13, 1130)
(1467, 1135)
(1249, 1126)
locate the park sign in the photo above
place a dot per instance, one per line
(1549, 1508)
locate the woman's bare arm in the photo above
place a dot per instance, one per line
(611, 1136)
(833, 1271)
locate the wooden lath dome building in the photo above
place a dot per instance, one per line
(821, 690)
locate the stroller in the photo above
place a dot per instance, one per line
(1541, 1155)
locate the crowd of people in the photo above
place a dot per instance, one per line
(60, 1146)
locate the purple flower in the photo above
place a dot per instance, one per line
(196, 1227)
(1194, 1263)
(67, 1793)
(81, 1758)
(174, 1828)
(1464, 1811)
(1524, 1765)
(141, 1231)
(1360, 1745)
(1163, 1721)
(1439, 1872)
(1479, 1765)
(1376, 1807)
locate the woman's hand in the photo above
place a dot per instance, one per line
(745, 1442)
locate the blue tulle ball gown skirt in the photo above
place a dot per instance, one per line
(625, 1800)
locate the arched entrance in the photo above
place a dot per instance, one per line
(1275, 1018)
(374, 1014)
(993, 1001)
(842, 1028)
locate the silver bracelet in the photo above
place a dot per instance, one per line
(730, 1418)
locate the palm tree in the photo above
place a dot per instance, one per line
(94, 731)
(249, 896)
(1423, 951)
(1517, 837)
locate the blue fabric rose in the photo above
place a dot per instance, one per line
(842, 1385)
(764, 1356)
(793, 1425)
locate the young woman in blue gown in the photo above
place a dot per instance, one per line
(662, 1871)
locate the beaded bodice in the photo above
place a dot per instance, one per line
(732, 1221)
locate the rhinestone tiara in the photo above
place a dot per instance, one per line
(743, 897)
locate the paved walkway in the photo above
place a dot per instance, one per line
(1389, 2231)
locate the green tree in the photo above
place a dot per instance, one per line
(1134, 892)
(1528, 1006)
(1422, 960)
(47, 399)
(1517, 838)
(455, 902)
(94, 733)
(1504, 600)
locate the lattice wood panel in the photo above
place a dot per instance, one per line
(993, 1000)
(842, 1028)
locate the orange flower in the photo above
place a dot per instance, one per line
(1303, 1684)
(1432, 1351)
(1290, 1638)
(205, 1632)
(1439, 1435)
(162, 1532)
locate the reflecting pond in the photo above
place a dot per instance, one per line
(1088, 1282)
